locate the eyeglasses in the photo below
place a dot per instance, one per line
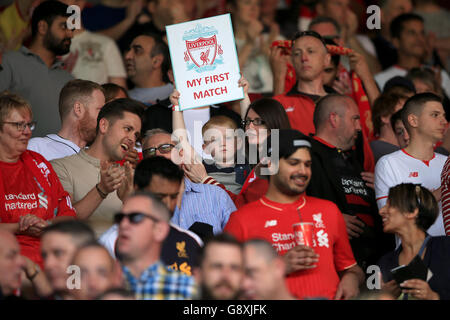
(21, 126)
(151, 152)
(308, 33)
(134, 217)
(256, 122)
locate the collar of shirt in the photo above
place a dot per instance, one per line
(56, 65)
(150, 272)
(189, 186)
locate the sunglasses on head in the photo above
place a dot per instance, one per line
(134, 217)
(164, 148)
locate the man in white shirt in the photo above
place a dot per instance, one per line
(408, 36)
(80, 102)
(424, 119)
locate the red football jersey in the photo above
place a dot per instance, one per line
(272, 221)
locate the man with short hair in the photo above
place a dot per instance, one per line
(424, 118)
(143, 226)
(204, 209)
(338, 176)
(36, 73)
(163, 178)
(408, 36)
(98, 271)
(11, 264)
(59, 243)
(80, 102)
(220, 272)
(264, 272)
(326, 269)
(91, 175)
(147, 63)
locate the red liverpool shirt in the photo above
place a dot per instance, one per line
(272, 221)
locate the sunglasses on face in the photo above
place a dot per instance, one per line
(164, 148)
(134, 217)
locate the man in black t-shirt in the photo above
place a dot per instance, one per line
(338, 176)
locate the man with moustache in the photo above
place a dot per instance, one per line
(147, 63)
(91, 176)
(80, 102)
(325, 269)
(35, 73)
(221, 268)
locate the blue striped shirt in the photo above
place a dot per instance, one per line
(203, 203)
(158, 282)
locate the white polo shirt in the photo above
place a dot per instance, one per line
(400, 167)
(53, 146)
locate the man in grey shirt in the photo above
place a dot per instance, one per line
(147, 64)
(34, 72)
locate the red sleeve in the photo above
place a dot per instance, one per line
(235, 227)
(342, 251)
(64, 204)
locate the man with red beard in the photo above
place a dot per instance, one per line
(80, 102)
(327, 267)
(91, 176)
(35, 73)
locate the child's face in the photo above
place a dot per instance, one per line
(401, 134)
(221, 143)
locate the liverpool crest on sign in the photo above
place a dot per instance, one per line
(203, 52)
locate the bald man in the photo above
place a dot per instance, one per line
(11, 264)
(264, 272)
(338, 176)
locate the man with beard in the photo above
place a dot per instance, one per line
(143, 226)
(325, 267)
(91, 177)
(35, 72)
(80, 102)
(338, 176)
(221, 265)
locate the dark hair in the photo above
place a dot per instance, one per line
(47, 11)
(426, 75)
(80, 232)
(396, 117)
(160, 47)
(323, 19)
(271, 112)
(149, 167)
(112, 90)
(399, 85)
(115, 109)
(335, 58)
(157, 204)
(76, 90)
(415, 105)
(221, 238)
(398, 23)
(309, 33)
(384, 106)
(407, 197)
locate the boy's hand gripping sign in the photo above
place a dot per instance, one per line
(204, 61)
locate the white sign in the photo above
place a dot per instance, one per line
(204, 61)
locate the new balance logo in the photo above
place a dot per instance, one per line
(290, 109)
(413, 174)
(270, 223)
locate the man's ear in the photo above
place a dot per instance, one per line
(161, 231)
(157, 61)
(396, 43)
(413, 215)
(334, 119)
(43, 27)
(413, 120)
(79, 109)
(385, 120)
(320, 9)
(327, 59)
(103, 125)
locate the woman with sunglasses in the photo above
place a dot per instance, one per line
(410, 210)
(31, 195)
